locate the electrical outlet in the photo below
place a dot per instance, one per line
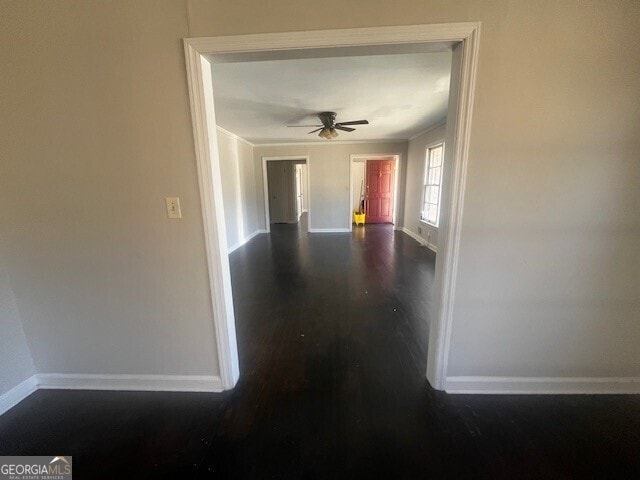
(173, 207)
(419, 229)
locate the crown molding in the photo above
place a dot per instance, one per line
(427, 130)
(233, 135)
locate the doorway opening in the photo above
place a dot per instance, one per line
(374, 188)
(286, 190)
(301, 194)
(201, 53)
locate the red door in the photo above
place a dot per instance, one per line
(380, 183)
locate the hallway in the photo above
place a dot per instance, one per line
(332, 339)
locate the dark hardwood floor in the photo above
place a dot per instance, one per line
(332, 333)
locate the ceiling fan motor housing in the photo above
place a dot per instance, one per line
(327, 118)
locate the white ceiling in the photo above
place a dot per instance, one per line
(400, 95)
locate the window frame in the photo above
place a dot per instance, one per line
(427, 166)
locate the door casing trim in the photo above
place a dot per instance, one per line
(462, 91)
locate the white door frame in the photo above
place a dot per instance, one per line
(396, 172)
(265, 186)
(210, 181)
(299, 190)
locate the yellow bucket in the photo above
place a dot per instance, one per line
(358, 218)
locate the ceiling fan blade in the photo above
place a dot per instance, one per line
(346, 129)
(317, 130)
(305, 126)
(354, 122)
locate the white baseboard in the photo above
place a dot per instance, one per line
(419, 239)
(18, 393)
(244, 240)
(543, 385)
(212, 383)
(163, 383)
(77, 381)
(329, 230)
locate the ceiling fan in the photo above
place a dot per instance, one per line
(329, 126)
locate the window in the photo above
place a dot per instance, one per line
(430, 212)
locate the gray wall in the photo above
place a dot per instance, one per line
(105, 283)
(16, 364)
(328, 171)
(96, 132)
(414, 184)
(238, 188)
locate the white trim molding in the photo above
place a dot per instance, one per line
(419, 239)
(457, 139)
(11, 398)
(156, 383)
(200, 52)
(543, 385)
(244, 240)
(211, 202)
(427, 130)
(262, 42)
(233, 135)
(81, 381)
(329, 230)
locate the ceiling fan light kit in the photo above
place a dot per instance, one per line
(329, 126)
(328, 133)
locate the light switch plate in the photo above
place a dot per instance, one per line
(173, 207)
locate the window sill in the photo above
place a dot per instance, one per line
(431, 225)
